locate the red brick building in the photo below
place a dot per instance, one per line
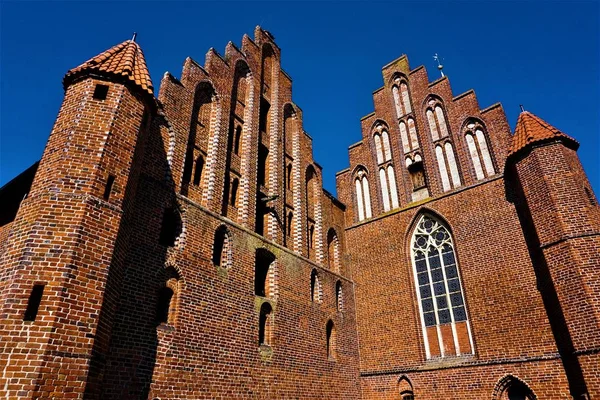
(181, 246)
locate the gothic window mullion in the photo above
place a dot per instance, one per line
(449, 303)
(434, 300)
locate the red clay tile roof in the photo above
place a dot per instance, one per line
(532, 129)
(125, 60)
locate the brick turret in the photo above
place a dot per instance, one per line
(561, 221)
(68, 234)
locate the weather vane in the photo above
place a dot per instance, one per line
(437, 58)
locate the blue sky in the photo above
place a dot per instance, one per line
(544, 55)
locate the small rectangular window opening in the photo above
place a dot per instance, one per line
(33, 305)
(100, 92)
(108, 187)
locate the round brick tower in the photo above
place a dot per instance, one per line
(68, 237)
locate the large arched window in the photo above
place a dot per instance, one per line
(479, 150)
(363, 195)
(442, 308)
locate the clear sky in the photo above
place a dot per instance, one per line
(544, 55)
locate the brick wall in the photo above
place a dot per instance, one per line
(138, 302)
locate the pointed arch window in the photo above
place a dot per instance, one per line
(198, 137)
(363, 196)
(401, 97)
(198, 167)
(406, 145)
(447, 166)
(382, 144)
(234, 191)
(265, 324)
(236, 142)
(444, 319)
(512, 388)
(166, 304)
(331, 340)
(382, 147)
(290, 229)
(437, 120)
(316, 292)
(412, 130)
(333, 247)
(479, 150)
(339, 296)
(389, 192)
(265, 274)
(222, 248)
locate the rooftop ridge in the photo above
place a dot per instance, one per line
(124, 61)
(531, 129)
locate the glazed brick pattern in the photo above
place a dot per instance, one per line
(526, 241)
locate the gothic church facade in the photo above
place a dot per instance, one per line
(181, 246)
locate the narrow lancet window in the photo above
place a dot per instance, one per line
(413, 134)
(432, 125)
(33, 305)
(316, 292)
(339, 296)
(439, 154)
(441, 120)
(452, 165)
(385, 195)
(378, 148)
(265, 325)
(404, 137)
(331, 340)
(333, 250)
(474, 156)
(387, 151)
(393, 190)
(479, 150)
(405, 98)
(396, 94)
(222, 252)
(363, 199)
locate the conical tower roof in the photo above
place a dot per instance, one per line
(124, 61)
(531, 129)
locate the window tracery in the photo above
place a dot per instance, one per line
(439, 290)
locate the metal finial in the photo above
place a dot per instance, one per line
(134, 36)
(522, 109)
(437, 58)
